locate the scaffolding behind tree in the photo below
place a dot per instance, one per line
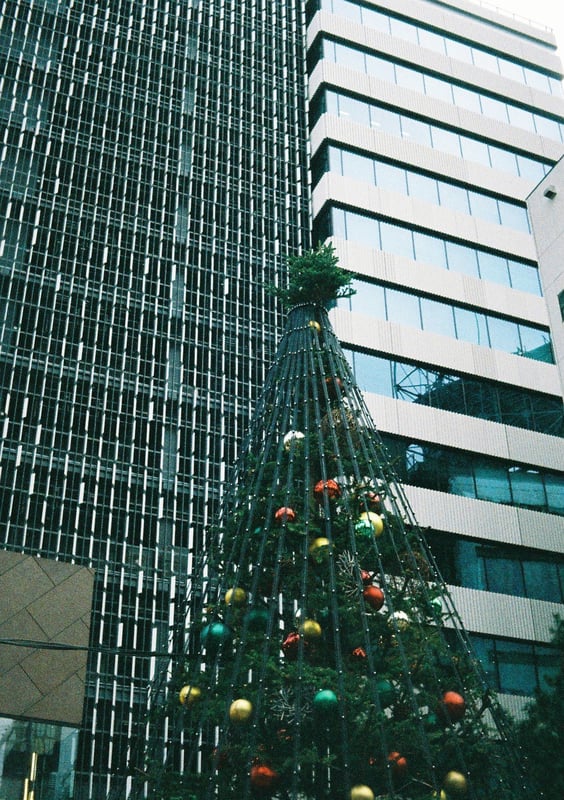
(324, 657)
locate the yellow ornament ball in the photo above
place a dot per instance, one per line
(189, 695)
(361, 792)
(455, 784)
(319, 549)
(314, 325)
(240, 710)
(235, 596)
(310, 629)
(375, 520)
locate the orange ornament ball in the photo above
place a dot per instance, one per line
(329, 487)
(285, 514)
(374, 596)
(397, 762)
(453, 705)
(263, 777)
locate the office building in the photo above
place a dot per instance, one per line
(154, 176)
(431, 125)
(156, 170)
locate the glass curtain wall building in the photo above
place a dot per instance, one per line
(154, 176)
(431, 123)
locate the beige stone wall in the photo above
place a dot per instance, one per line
(45, 602)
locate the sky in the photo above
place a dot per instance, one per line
(549, 13)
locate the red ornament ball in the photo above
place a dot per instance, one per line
(334, 387)
(365, 577)
(285, 514)
(373, 501)
(263, 777)
(329, 487)
(374, 596)
(290, 646)
(453, 706)
(398, 763)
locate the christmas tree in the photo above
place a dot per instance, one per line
(323, 658)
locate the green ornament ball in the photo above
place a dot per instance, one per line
(215, 634)
(386, 693)
(257, 619)
(325, 701)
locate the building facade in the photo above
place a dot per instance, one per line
(157, 167)
(431, 125)
(154, 177)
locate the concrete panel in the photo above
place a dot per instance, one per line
(47, 605)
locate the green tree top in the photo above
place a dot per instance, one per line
(315, 277)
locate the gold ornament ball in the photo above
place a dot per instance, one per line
(455, 784)
(319, 549)
(310, 629)
(189, 695)
(314, 325)
(240, 710)
(361, 792)
(371, 518)
(235, 596)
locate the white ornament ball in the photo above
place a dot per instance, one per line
(399, 620)
(292, 438)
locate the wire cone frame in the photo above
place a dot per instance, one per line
(324, 657)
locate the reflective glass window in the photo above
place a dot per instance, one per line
(462, 259)
(485, 60)
(494, 108)
(437, 317)
(471, 326)
(514, 217)
(542, 581)
(432, 41)
(493, 268)
(459, 50)
(503, 159)
(530, 169)
(416, 131)
(385, 121)
(422, 187)
(380, 68)
(504, 335)
(375, 19)
(446, 141)
(373, 374)
(509, 69)
(358, 167)
(403, 30)
(345, 9)
(391, 178)
(362, 229)
(521, 118)
(536, 80)
(338, 223)
(491, 482)
(504, 575)
(484, 207)
(516, 667)
(430, 249)
(454, 197)
(353, 109)
(547, 127)
(403, 308)
(527, 488)
(396, 240)
(409, 78)
(439, 89)
(554, 487)
(332, 102)
(533, 338)
(474, 150)
(464, 98)
(349, 57)
(369, 299)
